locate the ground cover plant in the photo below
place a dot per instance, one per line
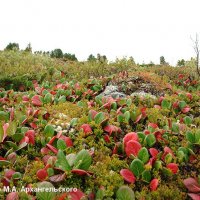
(58, 131)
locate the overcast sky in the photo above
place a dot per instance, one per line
(144, 29)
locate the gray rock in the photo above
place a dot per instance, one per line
(143, 94)
(112, 91)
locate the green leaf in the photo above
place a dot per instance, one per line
(49, 130)
(62, 162)
(182, 104)
(4, 116)
(125, 193)
(166, 104)
(127, 116)
(190, 137)
(137, 167)
(181, 156)
(146, 176)
(12, 128)
(1, 132)
(71, 158)
(18, 136)
(4, 163)
(187, 120)
(47, 191)
(129, 102)
(157, 165)
(114, 106)
(73, 122)
(61, 144)
(48, 98)
(120, 118)
(150, 139)
(62, 99)
(100, 194)
(17, 175)
(99, 118)
(168, 158)
(83, 160)
(50, 172)
(197, 137)
(175, 127)
(143, 155)
(141, 136)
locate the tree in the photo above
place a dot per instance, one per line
(196, 49)
(181, 63)
(91, 58)
(56, 53)
(28, 48)
(12, 46)
(68, 56)
(162, 60)
(101, 59)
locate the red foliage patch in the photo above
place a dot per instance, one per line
(128, 175)
(154, 184)
(132, 147)
(42, 174)
(173, 167)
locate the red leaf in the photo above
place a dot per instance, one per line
(42, 174)
(36, 100)
(76, 195)
(12, 114)
(52, 148)
(132, 147)
(157, 106)
(166, 151)
(194, 196)
(138, 119)
(175, 104)
(80, 172)
(154, 152)
(12, 196)
(44, 150)
(186, 109)
(67, 140)
(24, 139)
(86, 128)
(33, 125)
(57, 178)
(154, 184)
(189, 96)
(46, 116)
(107, 138)
(62, 196)
(92, 113)
(5, 127)
(31, 136)
(52, 139)
(8, 173)
(128, 175)
(146, 132)
(112, 129)
(130, 136)
(160, 99)
(173, 167)
(180, 76)
(192, 185)
(153, 125)
(25, 98)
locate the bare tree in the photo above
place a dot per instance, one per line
(196, 49)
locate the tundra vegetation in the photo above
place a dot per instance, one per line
(57, 130)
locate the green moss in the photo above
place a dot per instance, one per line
(31, 170)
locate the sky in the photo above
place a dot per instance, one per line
(142, 29)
